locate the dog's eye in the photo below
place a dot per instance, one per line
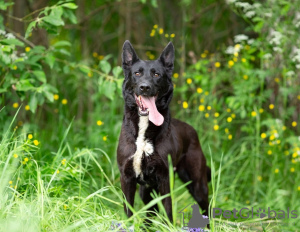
(137, 74)
(156, 75)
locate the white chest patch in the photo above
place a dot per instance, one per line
(142, 145)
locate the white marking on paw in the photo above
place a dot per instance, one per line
(142, 145)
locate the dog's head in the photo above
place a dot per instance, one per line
(148, 87)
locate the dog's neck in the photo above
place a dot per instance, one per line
(153, 132)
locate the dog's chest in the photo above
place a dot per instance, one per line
(143, 146)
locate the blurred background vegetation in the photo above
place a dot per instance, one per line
(236, 81)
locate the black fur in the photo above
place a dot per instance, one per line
(173, 137)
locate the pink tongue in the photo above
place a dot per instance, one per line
(154, 115)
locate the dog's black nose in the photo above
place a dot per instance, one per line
(145, 88)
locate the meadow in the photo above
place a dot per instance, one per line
(61, 110)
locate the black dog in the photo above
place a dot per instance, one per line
(149, 134)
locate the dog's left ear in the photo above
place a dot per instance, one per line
(167, 56)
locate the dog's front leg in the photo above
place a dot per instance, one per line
(164, 189)
(128, 187)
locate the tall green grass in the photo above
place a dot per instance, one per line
(67, 188)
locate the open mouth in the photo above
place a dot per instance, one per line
(143, 110)
(147, 106)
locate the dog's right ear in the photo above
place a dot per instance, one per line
(129, 56)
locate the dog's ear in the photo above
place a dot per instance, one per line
(167, 56)
(129, 57)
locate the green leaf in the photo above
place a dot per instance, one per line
(117, 71)
(30, 28)
(105, 66)
(12, 42)
(4, 5)
(108, 88)
(56, 21)
(40, 75)
(62, 43)
(70, 5)
(154, 3)
(24, 85)
(49, 59)
(33, 102)
(84, 69)
(70, 15)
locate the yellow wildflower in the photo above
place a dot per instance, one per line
(30, 136)
(230, 63)
(230, 137)
(15, 155)
(99, 123)
(244, 60)
(199, 90)
(27, 107)
(27, 49)
(104, 138)
(217, 114)
(271, 106)
(295, 154)
(216, 127)
(261, 110)
(245, 77)
(292, 169)
(269, 152)
(206, 115)
(263, 135)
(64, 101)
(185, 105)
(294, 124)
(226, 130)
(16, 105)
(276, 170)
(36, 142)
(209, 107)
(175, 75)
(229, 119)
(253, 113)
(172, 35)
(161, 31)
(189, 81)
(217, 64)
(201, 108)
(56, 96)
(259, 178)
